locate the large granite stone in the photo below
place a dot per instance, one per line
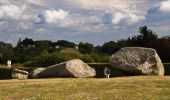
(34, 73)
(73, 68)
(19, 74)
(137, 61)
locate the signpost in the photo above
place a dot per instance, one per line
(9, 63)
(77, 47)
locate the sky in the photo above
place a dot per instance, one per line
(93, 21)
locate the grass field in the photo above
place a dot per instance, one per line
(124, 88)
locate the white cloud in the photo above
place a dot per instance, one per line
(2, 23)
(4, 2)
(103, 4)
(124, 18)
(165, 6)
(54, 16)
(35, 2)
(77, 20)
(24, 26)
(118, 17)
(159, 13)
(11, 11)
(38, 20)
(134, 18)
(86, 19)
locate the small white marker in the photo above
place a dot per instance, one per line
(9, 63)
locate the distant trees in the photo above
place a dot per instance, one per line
(162, 46)
(5, 45)
(27, 42)
(6, 54)
(144, 39)
(28, 50)
(85, 48)
(64, 43)
(43, 44)
(110, 47)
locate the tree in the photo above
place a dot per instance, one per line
(144, 39)
(162, 46)
(147, 36)
(43, 44)
(6, 54)
(64, 43)
(5, 45)
(25, 51)
(85, 48)
(27, 42)
(123, 43)
(110, 47)
(98, 50)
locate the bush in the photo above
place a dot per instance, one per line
(54, 58)
(17, 65)
(167, 68)
(6, 54)
(73, 53)
(6, 73)
(102, 58)
(87, 58)
(46, 59)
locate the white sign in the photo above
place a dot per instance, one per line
(9, 63)
(77, 47)
(57, 47)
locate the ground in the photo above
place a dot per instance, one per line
(122, 88)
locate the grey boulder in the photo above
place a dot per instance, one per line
(73, 68)
(137, 61)
(34, 73)
(19, 74)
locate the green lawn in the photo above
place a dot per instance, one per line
(125, 88)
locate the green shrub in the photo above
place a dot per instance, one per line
(73, 53)
(31, 64)
(6, 54)
(102, 58)
(6, 73)
(17, 65)
(87, 58)
(54, 58)
(167, 68)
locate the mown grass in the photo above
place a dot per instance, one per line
(125, 88)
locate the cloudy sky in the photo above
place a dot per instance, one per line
(94, 21)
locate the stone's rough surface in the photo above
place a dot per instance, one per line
(73, 68)
(34, 73)
(137, 61)
(19, 74)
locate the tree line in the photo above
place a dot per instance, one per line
(28, 50)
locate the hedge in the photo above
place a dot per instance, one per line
(6, 73)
